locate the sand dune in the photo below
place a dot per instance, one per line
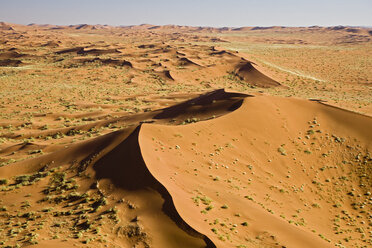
(126, 136)
(71, 50)
(206, 106)
(52, 44)
(5, 26)
(83, 51)
(247, 72)
(250, 158)
(113, 62)
(97, 51)
(87, 27)
(10, 55)
(10, 62)
(186, 62)
(166, 63)
(203, 156)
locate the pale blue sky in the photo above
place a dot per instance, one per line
(217, 13)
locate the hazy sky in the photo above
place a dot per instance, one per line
(218, 13)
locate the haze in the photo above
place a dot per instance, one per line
(234, 13)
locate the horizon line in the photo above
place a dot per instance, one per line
(198, 26)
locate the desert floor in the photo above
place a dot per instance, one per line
(174, 136)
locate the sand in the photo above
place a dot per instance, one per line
(159, 136)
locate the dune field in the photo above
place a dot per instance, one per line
(176, 136)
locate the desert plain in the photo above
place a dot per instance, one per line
(177, 136)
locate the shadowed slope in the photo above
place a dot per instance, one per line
(256, 177)
(124, 166)
(116, 171)
(207, 105)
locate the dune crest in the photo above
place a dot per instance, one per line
(211, 180)
(125, 137)
(117, 174)
(247, 72)
(222, 182)
(254, 177)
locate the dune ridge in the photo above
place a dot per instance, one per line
(136, 175)
(152, 160)
(115, 159)
(124, 137)
(181, 187)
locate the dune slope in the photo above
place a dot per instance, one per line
(274, 173)
(270, 172)
(101, 189)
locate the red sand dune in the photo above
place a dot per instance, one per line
(207, 184)
(247, 72)
(187, 168)
(184, 168)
